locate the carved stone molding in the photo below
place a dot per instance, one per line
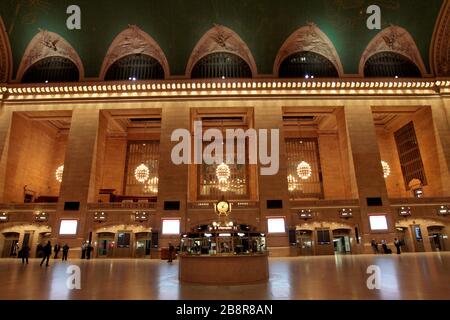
(133, 41)
(393, 39)
(47, 44)
(440, 49)
(308, 38)
(5, 55)
(220, 39)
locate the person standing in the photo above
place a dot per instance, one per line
(374, 245)
(397, 245)
(171, 252)
(47, 253)
(25, 253)
(65, 251)
(88, 251)
(56, 249)
(83, 250)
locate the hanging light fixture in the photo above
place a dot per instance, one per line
(304, 170)
(59, 173)
(142, 173)
(292, 182)
(223, 172)
(386, 169)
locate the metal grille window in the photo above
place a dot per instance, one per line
(390, 64)
(307, 184)
(221, 65)
(135, 67)
(236, 186)
(409, 154)
(138, 153)
(52, 69)
(307, 64)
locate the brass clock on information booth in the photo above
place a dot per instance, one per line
(223, 208)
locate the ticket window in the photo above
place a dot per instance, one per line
(143, 244)
(417, 238)
(105, 245)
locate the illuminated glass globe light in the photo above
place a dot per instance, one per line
(223, 172)
(59, 173)
(386, 169)
(142, 173)
(304, 170)
(291, 182)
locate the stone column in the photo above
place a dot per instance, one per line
(440, 111)
(173, 179)
(274, 187)
(79, 178)
(5, 130)
(366, 160)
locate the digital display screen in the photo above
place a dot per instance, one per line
(68, 227)
(171, 226)
(276, 225)
(378, 223)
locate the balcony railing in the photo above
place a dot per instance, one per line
(28, 207)
(235, 204)
(112, 206)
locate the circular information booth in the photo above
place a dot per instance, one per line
(223, 255)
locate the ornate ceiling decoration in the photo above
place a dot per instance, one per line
(5, 55)
(133, 40)
(220, 39)
(440, 49)
(393, 39)
(308, 38)
(48, 44)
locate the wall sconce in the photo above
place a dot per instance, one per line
(140, 216)
(305, 214)
(41, 217)
(404, 211)
(4, 217)
(444, 210)
(100, 217)
(346, 213)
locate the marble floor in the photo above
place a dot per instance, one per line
(408, 276)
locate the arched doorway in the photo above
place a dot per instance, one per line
(105, 244)
(304, 242)
(341, 241)
(438, 238)
(10, 244)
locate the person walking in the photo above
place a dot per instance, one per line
(374, 245)
(47, 253)
(171, 252)
(65, 251)
(88, 251)
(56, 249)
(397, 245)
(25, 253)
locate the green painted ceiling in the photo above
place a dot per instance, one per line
(177, 25)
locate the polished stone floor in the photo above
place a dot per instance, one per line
(409, 276)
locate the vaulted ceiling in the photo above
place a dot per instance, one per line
(178, 25)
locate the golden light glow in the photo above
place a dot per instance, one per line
(304, 170)
(59, 173)
(142, 173)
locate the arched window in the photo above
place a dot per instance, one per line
(52, 69)
(390, 65)
(135, 67)
(221, 65)
(307, 64)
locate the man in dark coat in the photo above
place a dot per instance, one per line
(171, 252)
(47, 253)
(65, 252)
(25, 253)
(56, 250)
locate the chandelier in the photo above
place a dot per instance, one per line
(386, 169)
(223, 172)
(59, 173)
(291, 183)
(142, 173)
(304, 170)
(152, 185)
